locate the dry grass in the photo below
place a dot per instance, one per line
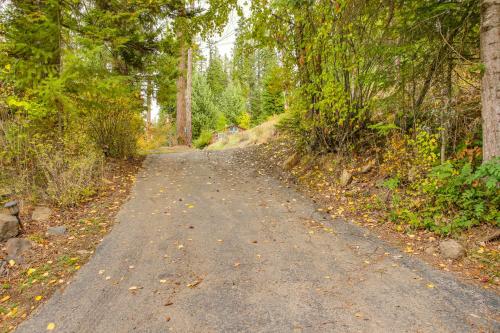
(254, 136)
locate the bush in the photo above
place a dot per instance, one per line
(462, 197)
(159, 136)
(204, 139)
(69, 177)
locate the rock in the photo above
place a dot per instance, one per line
(345, 178)
(431, 250)
(16, 246)
(291, 161)
(41, 214)
(451, 249)
(56, 231)
(9, 227)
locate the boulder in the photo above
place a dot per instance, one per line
(41, 214)
(9, 227)
(16, 246)
(345, 178)
(451, 249)
(56, 231)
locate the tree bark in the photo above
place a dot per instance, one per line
(446, 112)
(149, 97)
(490, 87)
(189, 86)
(181, 95)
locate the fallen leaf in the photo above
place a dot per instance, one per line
(236, 264)
(51, 326)
(101, 271)
(30, 271)
(169, 303)
(5, 298)
(163, 281)
(12, 262)
(134, 288)
(180, 246)
(38, 298)
(167, 318)
(430, 285)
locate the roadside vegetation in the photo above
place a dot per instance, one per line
(386, 107)
(399, 86)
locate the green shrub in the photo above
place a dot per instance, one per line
(204, 139)
(462, 196)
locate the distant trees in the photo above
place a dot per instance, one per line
(245, 94)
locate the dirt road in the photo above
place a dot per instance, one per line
(208, 244)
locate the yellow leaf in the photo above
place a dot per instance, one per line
(430, 285)
(38, 298)
(30, 271)
(12, 312)
(12, 262)
(51, 326)
(5, 298)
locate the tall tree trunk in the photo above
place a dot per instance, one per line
(490, 88)
(446, 111)
(58, 62)
(189, 86)
(181, 95)
(149, 98)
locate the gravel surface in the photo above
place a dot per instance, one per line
(208, 244)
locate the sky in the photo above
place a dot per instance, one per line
(224, 41)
